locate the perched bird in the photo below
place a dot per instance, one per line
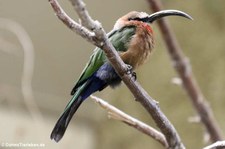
(132, 37)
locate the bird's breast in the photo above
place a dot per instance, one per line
(139, 48)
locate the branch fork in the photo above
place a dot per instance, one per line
(93, 32)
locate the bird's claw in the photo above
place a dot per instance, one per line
(129, 68)
(131, 72)
(134, 75)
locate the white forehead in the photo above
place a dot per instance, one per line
(133, 14)
(141, 14)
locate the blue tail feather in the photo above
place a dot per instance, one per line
(95, 84)
(92, 85)
(105, 76)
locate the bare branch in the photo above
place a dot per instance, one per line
(183, 68)
(86, 20)
(127, 119)
(74, 26)
(139, 93)
(26, 81)
(216, 145)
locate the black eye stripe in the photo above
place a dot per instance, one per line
(135, 19)
(139, 19)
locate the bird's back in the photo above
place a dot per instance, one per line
(120, 40)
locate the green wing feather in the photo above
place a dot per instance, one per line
(120, 39)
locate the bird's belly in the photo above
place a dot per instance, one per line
(135, 58)
(107, 74)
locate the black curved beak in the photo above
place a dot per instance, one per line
(164, 13)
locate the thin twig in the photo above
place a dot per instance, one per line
(216, 145)
(70, 23)
(139, 93)
(183, 68)
(119, 115)
(86, 20)
(26, 81)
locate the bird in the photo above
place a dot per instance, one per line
(132, 37)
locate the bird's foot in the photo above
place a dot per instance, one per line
(131, 72)
(134, 75)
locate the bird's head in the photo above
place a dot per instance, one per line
(146, 18)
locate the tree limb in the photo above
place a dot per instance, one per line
(139, 93)
(71, 24)
(28, 66)
(183, 68)
(119, 115)
(216, 145)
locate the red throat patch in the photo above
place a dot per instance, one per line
(148, 27)
(143, 25)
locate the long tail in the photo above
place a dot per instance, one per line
(92, 85)
(63, 121)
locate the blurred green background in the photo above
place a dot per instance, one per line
(60, 56)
